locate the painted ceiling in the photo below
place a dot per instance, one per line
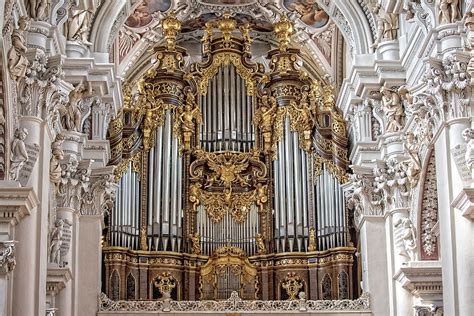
(142, 29)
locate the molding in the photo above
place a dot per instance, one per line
(423, 279)
(57, 279)
(465, 203)
(16, 203)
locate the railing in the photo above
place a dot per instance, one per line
(235, 304)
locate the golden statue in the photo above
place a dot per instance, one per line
(261, 195)
(195, 243)
(143, 239)
(260, 241)
(264, 119)
(185, 121)
(312, 239)
(194, 193)
(303, 121)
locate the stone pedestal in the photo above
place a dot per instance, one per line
(75, 49)
(374, 263)
(389, 50)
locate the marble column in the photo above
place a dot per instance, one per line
(29, 288)
(456, 231)
(374, 263)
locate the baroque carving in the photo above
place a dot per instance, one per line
(57, 154)
(19, 155)
(165, 283)
(364, 199)
(387, 23)
(71, 113)
(7, 256)
(292, 284)
(38, 10)
(408, 237)
(186, 119)
(234, 304)
(195, 243)
(449, 11)
(58, 243)
(429, 213)
(78, 25)
(393, 110)
(17, 61)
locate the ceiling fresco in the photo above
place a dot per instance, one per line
(142, 27)
(242, 19)
(143, 13)
(311, 14)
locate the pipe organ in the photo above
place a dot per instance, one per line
(231, 176)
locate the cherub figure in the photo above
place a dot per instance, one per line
(195, 243)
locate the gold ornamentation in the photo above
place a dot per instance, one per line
(283, 30)
(335, 170)
(143, 239)
(227, 169)
(227, 58)
(194, 194)
(292, 284)
(312, 239)
(124, 164)
(171, 27)
(264, 119)
(226, 260)
(261, 196)
(226, 26)
(165, 283)
(303, 120)
(260, 240)
(195, 243)
(218, 203)
(184, 122)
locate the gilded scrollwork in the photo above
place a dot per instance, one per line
(165, 283)
(292, 284)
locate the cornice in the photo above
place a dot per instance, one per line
(16, 203)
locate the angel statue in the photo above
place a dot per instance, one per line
(413, 166)
(264, 118)
(185, 121)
